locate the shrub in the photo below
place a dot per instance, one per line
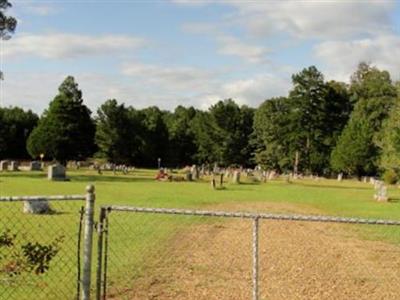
(390, 176)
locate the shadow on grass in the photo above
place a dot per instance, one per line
(106, 178)
(23, 174)
(331, 186)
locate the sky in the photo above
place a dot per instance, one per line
(189, 52)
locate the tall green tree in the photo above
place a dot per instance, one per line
(390, 142)
(153, 135)
(271, 130)
(357, 150)
(182, 147)
(222, 133)
(318, 113)
(65, 130)
(15, 127)
(116, 133)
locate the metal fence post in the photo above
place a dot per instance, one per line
(87, 242)
(100, 230)
(255, 258)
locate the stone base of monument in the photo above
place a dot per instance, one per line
(37, 207)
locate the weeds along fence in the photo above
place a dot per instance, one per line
(160, 253)
(41, 242)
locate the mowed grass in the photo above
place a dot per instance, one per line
(133, 237)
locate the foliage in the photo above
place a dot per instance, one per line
(304, 125)
(222, 133)
(65, 131)
(115, 135)
(8, 24)
(271, 127)
(30, 257)
(390, 141)
(357, 150)
(182, 148)
(15, 127)
(390, 176)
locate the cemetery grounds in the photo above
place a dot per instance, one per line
(182, 257)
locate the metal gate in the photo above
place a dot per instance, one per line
(125, 227)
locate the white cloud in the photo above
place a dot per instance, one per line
(254, 90)
(309, 19)
(40, 9)
(342, 57)
(175, 78)
(144, 85)
(229, 45)
(62, 45)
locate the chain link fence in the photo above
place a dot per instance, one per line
(40, 247)
(180, 254)
(46, 252)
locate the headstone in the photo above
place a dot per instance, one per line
(4, 165)
(13, 166)
(56, 172)
(37, 207)
(213, 185)
(188, 176)
(221, 180)
(365, 178)
(372, 180)
(380, 192)
(340, 177)
(35, 166)
(195, 172)
(236, 177)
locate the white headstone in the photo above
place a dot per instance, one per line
(236, 177)
(195, 172)
(4, 165)
(13, 166)
(340, 177)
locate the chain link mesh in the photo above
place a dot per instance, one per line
(39, 252)
(175, 257)
(152, 255)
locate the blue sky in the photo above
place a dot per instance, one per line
(189, 52)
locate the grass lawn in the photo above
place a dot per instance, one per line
(347, 198)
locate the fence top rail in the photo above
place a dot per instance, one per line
(246, 215)
(41, 198)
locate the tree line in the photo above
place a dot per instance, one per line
(320, 127)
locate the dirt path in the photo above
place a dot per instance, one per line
(298, 260)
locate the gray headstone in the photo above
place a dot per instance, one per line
(56, 172)
(35, 166)
(188, 176)
(380, 191)
(13, 166)
(195, 172)
(236, 177)
(37, 207)
(4, 165)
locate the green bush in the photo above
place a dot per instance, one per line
(390, 177)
